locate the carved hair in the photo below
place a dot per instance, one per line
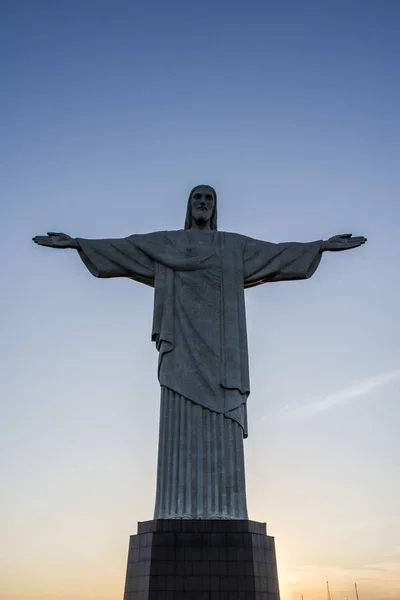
(213, 221)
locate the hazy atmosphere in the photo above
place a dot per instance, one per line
(110, 113)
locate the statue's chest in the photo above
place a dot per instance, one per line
(198, 246)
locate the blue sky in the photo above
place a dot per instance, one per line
(110, 113)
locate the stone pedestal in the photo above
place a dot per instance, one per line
(201, 560)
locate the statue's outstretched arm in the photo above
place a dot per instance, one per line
(106, 258)
(266, 262)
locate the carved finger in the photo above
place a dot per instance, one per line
(354, 245)
(41, 240)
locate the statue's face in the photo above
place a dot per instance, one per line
(202, 204)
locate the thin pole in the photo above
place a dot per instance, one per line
(355, 585)
(329, 593)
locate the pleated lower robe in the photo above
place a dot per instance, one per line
(200, 470)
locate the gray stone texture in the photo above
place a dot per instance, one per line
(199, 327)
(201, 560)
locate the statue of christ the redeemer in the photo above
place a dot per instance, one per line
(199, 275)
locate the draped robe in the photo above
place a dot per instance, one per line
(199, 329)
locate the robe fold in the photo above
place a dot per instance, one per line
(199, 325)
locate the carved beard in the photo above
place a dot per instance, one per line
(201, 219)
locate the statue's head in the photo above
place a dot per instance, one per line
(202, 208)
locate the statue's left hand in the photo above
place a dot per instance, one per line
(345, 241)
(56, 240)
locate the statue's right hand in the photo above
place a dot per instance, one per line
(56, 240)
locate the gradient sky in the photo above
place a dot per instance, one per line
(110, 112)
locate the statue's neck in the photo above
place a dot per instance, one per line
(201, 225)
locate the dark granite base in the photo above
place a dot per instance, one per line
(201, 560)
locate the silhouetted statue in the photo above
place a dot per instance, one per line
(199, 275)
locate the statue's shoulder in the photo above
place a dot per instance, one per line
(232, 239)
(157, 236)
(171, 236)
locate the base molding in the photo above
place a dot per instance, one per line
(201, 560)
